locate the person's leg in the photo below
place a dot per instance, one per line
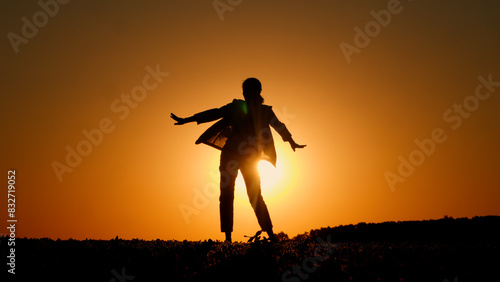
(250, 173)
(228, 171)
(228, 236)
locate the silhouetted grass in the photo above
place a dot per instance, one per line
(407, 251)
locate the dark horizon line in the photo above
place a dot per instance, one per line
(359, 224)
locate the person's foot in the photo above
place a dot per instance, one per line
(272, 237)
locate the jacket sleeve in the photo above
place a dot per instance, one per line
(280, 127)
(210, 115)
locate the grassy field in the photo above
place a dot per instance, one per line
(439, 250)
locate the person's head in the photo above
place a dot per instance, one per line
(252, 89)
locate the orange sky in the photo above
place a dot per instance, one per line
(412, 73)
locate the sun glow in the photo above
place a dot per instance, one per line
(270, 176)
(274, 181)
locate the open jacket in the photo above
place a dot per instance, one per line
(243, 130)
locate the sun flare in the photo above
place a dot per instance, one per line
(274, 181)
(270, 176)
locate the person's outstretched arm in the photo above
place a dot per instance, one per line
(181, 121)
(206, 116)
(283, 131)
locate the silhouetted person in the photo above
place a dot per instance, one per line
(244, 137)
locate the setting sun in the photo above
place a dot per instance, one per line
(270, 176)
(276, 181)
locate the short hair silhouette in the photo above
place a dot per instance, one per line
(252, 89)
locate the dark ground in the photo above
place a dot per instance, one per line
(437, 250)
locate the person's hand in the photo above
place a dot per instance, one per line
(296, 146)
(179, 121)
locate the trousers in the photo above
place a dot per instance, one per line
(230, 163)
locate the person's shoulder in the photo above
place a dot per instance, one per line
(238, 104)
(237, 101)
(234, 106)
(267, 108)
